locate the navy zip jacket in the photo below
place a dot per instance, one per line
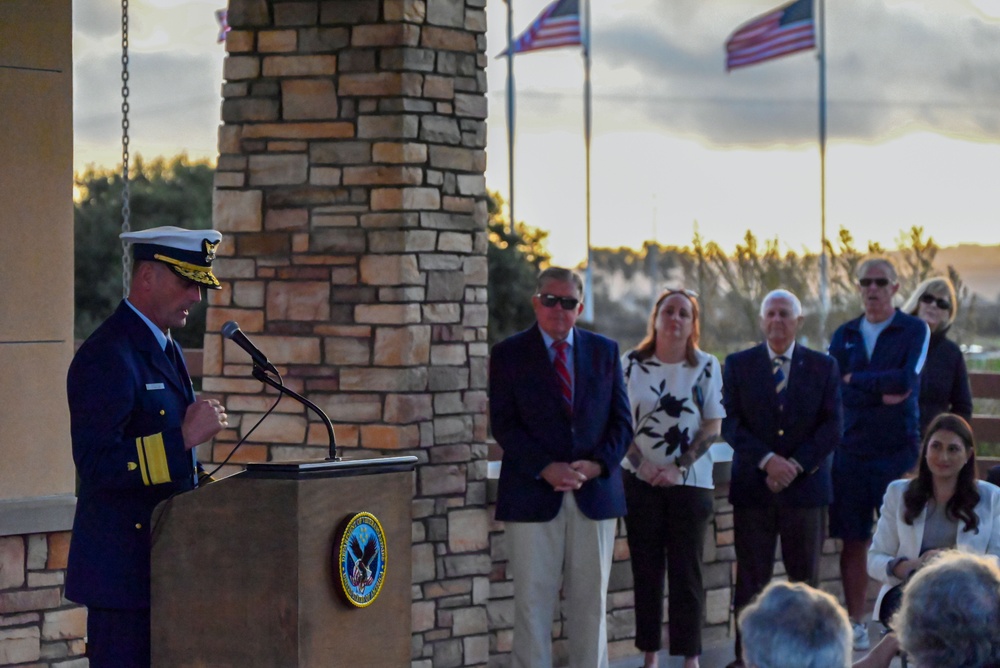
(872, 428)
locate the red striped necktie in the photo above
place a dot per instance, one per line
(562, 372)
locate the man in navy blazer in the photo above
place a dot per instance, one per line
(559, 410)
(783, 420)
(134, 420)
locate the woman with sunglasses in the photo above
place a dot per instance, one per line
(943, 507)
(944, 381)
(675, 390)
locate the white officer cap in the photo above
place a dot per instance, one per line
(188, 252)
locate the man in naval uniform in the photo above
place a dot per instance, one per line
(134, 422)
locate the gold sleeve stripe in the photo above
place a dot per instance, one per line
(142, 461)
(153, 459)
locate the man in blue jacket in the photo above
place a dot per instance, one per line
(559, 410)
(880, 354)
(134, 420)
(783, 442)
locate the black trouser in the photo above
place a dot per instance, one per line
(118, 638)
(756, 532)
(666, 534)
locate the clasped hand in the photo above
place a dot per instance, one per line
(665, 475)
(780, 473)
(907, 567)
(569, 477)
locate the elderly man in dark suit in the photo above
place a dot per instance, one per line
(783, 420)
(559, 410)
(134, 420)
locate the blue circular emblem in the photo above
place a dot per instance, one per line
(361, 559)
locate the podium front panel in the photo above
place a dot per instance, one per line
(245, 573)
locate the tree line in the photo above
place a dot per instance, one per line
(177, 191)
(731, 285)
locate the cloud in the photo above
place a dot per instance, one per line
(891, 68)
(96, 19)
(173, 98)
(175, 73)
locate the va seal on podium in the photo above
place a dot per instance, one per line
(361, 559)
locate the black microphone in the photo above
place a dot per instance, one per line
(231, 330)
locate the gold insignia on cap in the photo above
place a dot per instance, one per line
(190, 271)
(210, 250)
(132, 466)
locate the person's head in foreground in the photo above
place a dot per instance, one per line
(950, 616)
(792, 625)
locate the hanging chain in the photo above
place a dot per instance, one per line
(126, 210)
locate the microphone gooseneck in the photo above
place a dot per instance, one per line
(231, 330)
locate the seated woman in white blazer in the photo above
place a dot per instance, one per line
(943, 507)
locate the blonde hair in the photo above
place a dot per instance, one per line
(940, 287)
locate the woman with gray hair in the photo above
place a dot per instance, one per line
(951, 613)
(944, 381)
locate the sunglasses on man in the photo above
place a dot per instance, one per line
(942, 304)
(866, 282)
(550, 301)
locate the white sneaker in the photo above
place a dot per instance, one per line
(860, 633)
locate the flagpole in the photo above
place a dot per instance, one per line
(588, 293)
(824, 285)
(510, 114)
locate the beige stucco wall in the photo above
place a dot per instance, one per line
(36, 246)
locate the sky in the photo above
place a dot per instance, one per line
(678, 144)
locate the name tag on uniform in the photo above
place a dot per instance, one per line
(154, 386)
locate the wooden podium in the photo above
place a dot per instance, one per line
(245, 570)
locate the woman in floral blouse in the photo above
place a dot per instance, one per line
(676, 394)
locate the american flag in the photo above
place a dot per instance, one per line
(558, 25)
(222, 16)
(785, 30)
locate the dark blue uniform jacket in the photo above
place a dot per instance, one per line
(127, 401)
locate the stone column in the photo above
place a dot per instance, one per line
(351, 193)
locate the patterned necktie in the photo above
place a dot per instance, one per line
(562, 372)
(780, 381)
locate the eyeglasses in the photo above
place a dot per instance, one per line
(866, 282)
(942, 304)
(550, 301)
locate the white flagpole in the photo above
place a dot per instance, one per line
(510, 114)
(824, 284)
(588, 293)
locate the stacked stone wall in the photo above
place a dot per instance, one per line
(38, 626)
